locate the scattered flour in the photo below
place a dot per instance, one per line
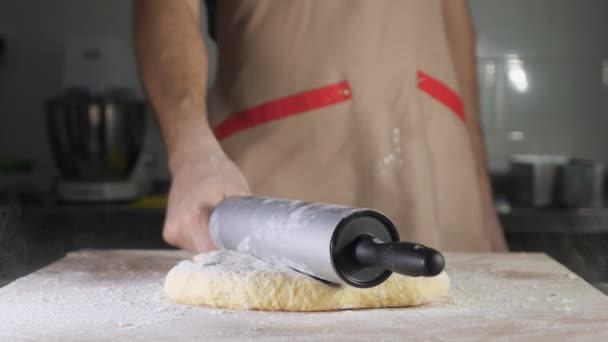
(217, 264)
(117, 295)
(394, 157)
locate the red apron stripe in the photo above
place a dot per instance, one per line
(284, 107)
(442, 93)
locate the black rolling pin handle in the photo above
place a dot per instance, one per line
(405, 258)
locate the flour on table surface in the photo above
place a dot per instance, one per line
(117, 295)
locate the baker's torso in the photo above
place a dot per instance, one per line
(350, 102)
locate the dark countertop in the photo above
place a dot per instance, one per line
(558, 221)
(31, 237)
(99, 226)
(577, 238)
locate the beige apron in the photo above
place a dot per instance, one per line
(394, 142)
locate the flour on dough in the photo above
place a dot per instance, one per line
(227, 279)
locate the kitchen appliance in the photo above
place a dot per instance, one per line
(96, 140)
(581, 184)
(342, 245)
(533, 179)
(96, 124)
(556, 181)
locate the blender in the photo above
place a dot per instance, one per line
(96, 125)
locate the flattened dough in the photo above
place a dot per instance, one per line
(226, 279)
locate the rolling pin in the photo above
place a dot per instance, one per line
(337, 244)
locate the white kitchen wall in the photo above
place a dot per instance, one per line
(37, 33)
(540, 71)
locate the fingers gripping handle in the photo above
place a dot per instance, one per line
(400, 257)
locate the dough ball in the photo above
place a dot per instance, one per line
(231, 280)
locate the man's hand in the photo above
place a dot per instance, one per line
(198, 186)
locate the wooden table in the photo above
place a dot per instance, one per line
(110, 295)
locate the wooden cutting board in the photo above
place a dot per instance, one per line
(110, 295)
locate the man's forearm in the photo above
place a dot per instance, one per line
(461, 38)
(173, 64)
